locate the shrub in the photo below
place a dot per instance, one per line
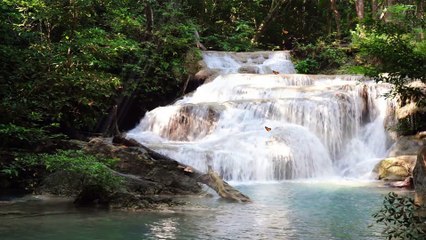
(397, 214)
(17, 136)
(307, 66)
(93, 170)
(322, 55)
(85, 169)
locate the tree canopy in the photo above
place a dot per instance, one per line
(65, 64)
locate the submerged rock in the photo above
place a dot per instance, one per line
(97, 196)
(407, 183)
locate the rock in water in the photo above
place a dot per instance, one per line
(136, 164)
(147, 172)
(395, 168)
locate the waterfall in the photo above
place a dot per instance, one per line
(272, 124)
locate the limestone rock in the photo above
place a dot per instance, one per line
(410, 107)
(147, 174)
(407, 183)
(205, 75)
(421, 135)
(395, 168)
(405, 145)
(419, 178)
(248, 69)
(409, 110)
(152, 176)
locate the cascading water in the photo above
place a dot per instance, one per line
(319, 126)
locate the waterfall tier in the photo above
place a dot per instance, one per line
(272, 126)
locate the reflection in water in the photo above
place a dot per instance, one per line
(164, 229)
(282, 210)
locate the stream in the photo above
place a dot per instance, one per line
(281, 210)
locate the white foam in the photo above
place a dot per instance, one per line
(322, 126)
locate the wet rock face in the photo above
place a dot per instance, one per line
(395, 168)
(405, 145)
(249, 69)
(147, 182)
(419, 177)
(205, 75)
(189, 124)
(144, 174)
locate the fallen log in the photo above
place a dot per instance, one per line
(211, 178)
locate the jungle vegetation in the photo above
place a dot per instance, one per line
(67, 67)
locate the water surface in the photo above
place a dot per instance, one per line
(282, 210)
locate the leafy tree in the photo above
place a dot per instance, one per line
(66, 62)
(394, 48)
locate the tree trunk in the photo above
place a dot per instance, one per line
(198, 41)
(336, 15)
(420, 13)
(359, 4)
(112, 123)
(386, 14)
(374, 8)
(149, 15)
(273, 12)
(420, 9)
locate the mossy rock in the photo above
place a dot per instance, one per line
(395, 168)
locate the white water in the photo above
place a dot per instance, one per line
(321, 126)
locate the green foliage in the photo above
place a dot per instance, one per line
(397, 215)
(66, 62)
(321, 56)
(87, 169)
(355, 69)
(411, 124)
(25, 137)
(395, 49)
(307, 66)
(92, 170)
(11, 133)
(236, 38)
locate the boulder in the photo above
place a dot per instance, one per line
(148, 173)
(411, 106)
(395, 168)
(143, 173)
(205, 75)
